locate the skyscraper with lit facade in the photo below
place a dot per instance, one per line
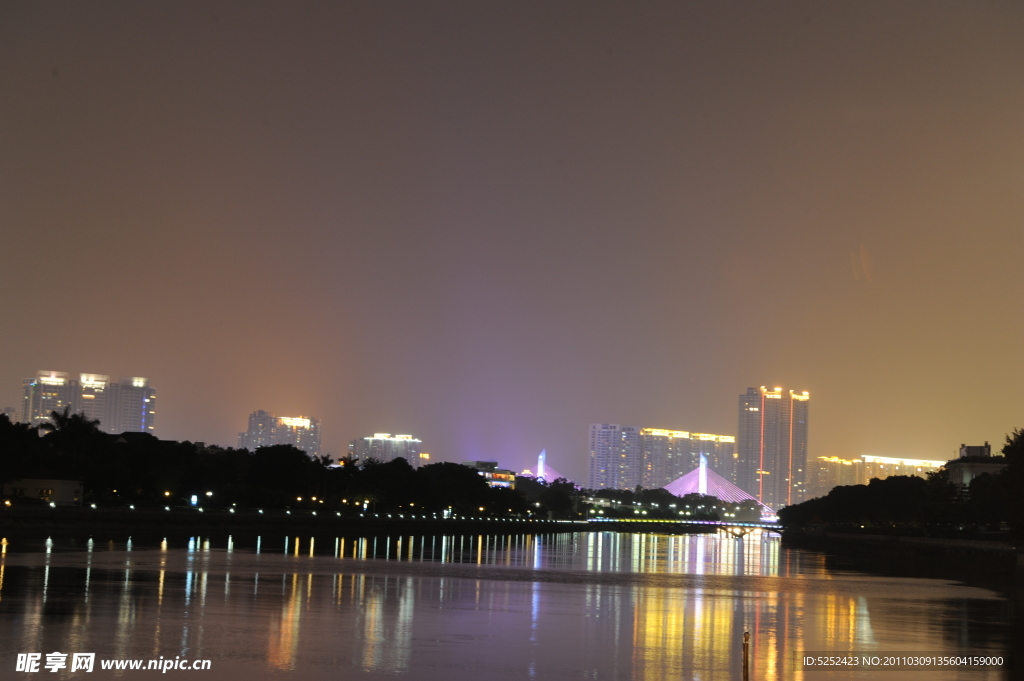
(132, 406)
(48, 391)
(387, 447)
(670, 454)
(125, 406)
(772, 445)
(624, 457)
(615, 456)
(266, 430)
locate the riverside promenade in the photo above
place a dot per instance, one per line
(171, 519)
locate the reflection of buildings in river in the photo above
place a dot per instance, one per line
(649, 632)
(698, 632)
(386, 625)
(284, 633)
(692, 632)
(695, 632)
(754, 554)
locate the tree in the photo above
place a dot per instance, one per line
(447, 484)
(18, 444)
(1013, 450)
(74, 448)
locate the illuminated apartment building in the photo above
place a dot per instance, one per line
(132, 406)
(622, 457)
(125, 406)
(386, 447)
(827, 472)
(48, 391)
(615, 456)
(266, 430)
(667, 455)
(882, 467)
(772, 445)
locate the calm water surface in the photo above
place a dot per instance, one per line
(572, 606)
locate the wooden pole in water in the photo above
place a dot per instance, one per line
(746, 656)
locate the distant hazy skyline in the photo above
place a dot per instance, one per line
(490, 225)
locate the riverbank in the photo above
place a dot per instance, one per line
(112, 522)
(104, 523)
(992, 564)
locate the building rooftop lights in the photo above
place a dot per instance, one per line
(294, 421)
(389, 436)
(927, 463)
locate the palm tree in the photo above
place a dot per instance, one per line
(70, 434)
(66, 421)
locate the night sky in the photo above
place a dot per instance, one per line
(492, 224)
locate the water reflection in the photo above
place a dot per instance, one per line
(596, 605)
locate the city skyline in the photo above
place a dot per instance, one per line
(626, 457)
(655, 460)
(493, 225)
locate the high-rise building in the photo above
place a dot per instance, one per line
(125, 406)
(266, 430)
(93, 397)
(615, 456)
(772, 445)
(624, 457)
(883, 467)
(132, 406)
(669, 454)
(387, 447)
(48, 391)
(826, 472)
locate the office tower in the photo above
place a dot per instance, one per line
(772, 445)
(266, 430)
(386, 447)
(119, 407)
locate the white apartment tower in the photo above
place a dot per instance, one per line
(125, 406)
(387, 447)
(266, 430)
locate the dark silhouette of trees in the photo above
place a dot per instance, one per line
(18, 443)
(445, 485)
(992, 501)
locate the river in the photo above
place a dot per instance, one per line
(587, 605)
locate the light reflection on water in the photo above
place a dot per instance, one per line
(583, 605)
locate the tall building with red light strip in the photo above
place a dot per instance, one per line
(771, 445)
